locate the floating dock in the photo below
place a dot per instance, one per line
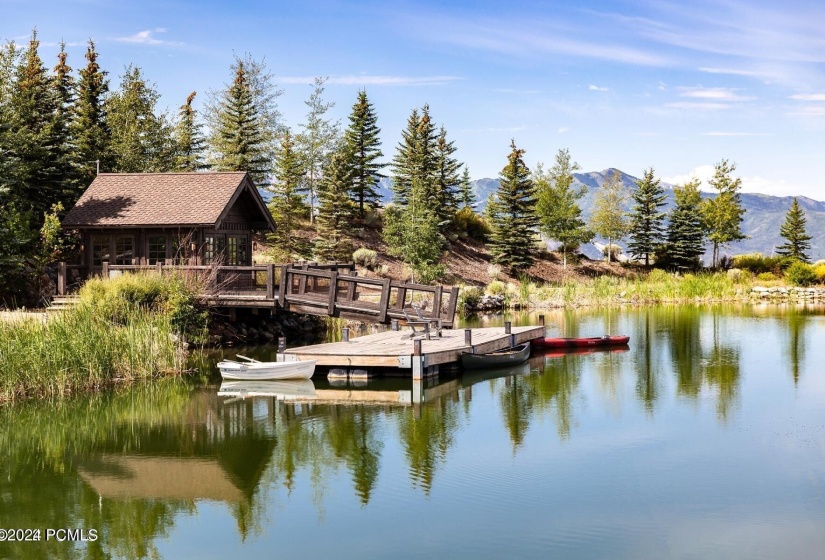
(395, 349)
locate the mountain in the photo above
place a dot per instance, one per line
(764, 214)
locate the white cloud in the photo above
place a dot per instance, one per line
(703, 173)
(722, 133)
(364, 80)
(592, 87)
(563, 129)
(753, 184)
(809, 97)
(147, 38)
(715, 94)
(697, 105)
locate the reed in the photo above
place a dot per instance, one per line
(107, 339)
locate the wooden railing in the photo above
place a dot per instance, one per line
(333, 289)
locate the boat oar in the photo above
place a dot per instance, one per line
(247, 359)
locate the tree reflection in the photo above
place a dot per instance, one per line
(351, 432)
(647, 381)
(426, 433)
(797, 321)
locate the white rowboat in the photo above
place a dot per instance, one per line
(258, 371)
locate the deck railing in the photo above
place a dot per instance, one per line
(333, 289)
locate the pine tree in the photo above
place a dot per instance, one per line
(415, 158)
(646, 220)
(723, 214)
(317, 142)
(244, 121)
(467, 196)
(797, 240)
(362, 142)
(560, 216)
(685, 231)
(89, 128)
(608, 218)
(286, 204)
(38, 138)
(447, 179)
(190, 145)
(64, 85)
(335, 209)
(140, 140)
(403, 166)
(514, 218)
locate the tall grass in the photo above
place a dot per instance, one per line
(657, 287)
(110, 337)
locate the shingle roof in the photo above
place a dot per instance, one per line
(150, 199)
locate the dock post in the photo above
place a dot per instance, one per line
(394, 325)
(468, 337)
(270, 281)
(104, 269)
(541, 320)
(345, 334)
(61, 278)
(507, 327)
(281, 345)
(417, 360)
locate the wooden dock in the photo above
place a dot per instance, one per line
(395, 349)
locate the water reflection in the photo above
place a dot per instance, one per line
(134, 463)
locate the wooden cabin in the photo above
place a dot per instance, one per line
(168, 218)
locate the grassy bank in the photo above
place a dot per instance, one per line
(656, 287)
(124, 329)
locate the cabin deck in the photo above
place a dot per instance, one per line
(395, 349)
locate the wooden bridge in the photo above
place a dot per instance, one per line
(333, 290)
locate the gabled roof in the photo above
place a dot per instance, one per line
(162, 199)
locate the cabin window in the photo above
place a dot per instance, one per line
(124, 249)
(157, 250)
(236, 250)
(100, 249)
(213, 249)
(180, 250)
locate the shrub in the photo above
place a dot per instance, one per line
(493, 271)
(767, 277)
(819, 272)
(800, 274)
(758, 263)
(614, 250)
(496, 288)
(469, 296)
(658, 275)
(473, 225)
(366, 258)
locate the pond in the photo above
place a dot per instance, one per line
(704, 439)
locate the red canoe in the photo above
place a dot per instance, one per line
(548, 342)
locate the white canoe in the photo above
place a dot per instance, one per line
(289, 389)
(257, 371)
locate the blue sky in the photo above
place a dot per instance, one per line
(673, 85)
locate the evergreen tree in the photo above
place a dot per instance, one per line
(415, 158)
(646, 219)
(514, 217)
(286, 204)
(411, 232)
(685, 231)
(38, 140)
(403, 166)
(89, 128)
(447, 179)
(560, 216)
(797, 240)
(317, 142)
(190, 144)
(608, 217)
(723, 214)
(467, 196)
(335, 209)
(362, 142)
(140, 140)
(244, 121)
(64, 85)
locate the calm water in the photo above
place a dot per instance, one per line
(706, 439)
